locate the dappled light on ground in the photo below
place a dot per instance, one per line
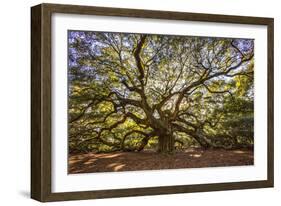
(147, 160)
(239, 152)
(119, 167)
(195, 155)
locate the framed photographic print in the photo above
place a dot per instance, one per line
(132, 102)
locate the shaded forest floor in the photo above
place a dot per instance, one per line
(132, 161)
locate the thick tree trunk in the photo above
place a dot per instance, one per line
(166, 144)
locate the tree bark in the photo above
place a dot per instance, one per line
(166, 143)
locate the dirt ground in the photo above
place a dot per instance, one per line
(132, 161)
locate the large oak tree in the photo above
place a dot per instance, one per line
(125, 89)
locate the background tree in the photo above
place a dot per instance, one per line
(130, 91)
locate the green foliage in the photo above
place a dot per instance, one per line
(128, 90)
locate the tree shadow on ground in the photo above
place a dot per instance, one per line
(132, 161)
